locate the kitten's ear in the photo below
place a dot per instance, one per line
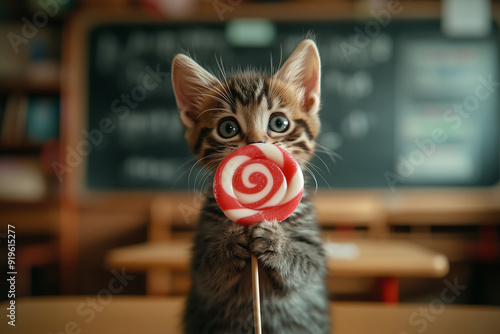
(189, 81)
(303, 70)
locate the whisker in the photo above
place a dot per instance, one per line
(208, 174)
(185, 163)
(198, 186)
(211, 109)
(310, 166)
(330, 153)
(271, 77)
(185, 170)
(222, 93)
(203, 172)
(203, 92)
(224, 75)
(199, 162)
(322, 161)
(316, 168)
(209, 171)
(272, 88)
(317, 156)
(207, 168)
(319, 174)
(310, 173)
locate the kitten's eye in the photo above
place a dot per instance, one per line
(228, 128)
(279, 123)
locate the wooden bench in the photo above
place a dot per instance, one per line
(155, 315)
(420, 210)
(166, 256)
(179, 212)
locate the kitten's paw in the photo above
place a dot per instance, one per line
(268, 242)
(235, 245)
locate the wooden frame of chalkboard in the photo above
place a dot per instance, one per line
(75, 58)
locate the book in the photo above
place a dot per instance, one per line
(42, 120)
(12, 104)
(21, 178)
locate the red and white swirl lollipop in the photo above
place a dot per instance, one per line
(258, 182)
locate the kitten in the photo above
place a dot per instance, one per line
(219, 117)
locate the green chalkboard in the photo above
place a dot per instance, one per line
(389, 95)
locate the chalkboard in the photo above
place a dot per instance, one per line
(389, 97)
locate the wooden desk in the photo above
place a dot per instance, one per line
(390, 258)
(152, 315)
(384, 259)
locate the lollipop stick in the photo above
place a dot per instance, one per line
(256, 295)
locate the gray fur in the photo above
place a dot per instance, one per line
(292, 269)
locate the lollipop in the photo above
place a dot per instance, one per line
(258, 182)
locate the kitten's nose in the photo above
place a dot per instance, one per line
(253, 139)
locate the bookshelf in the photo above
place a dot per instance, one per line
(29, 139)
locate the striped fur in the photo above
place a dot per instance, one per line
(290, 253)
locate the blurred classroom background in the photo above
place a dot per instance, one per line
(94, 169)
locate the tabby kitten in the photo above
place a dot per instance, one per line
(220, 116)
